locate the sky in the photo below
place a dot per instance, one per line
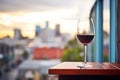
(26, 14)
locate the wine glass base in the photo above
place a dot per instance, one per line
(85, 65)
(80, 66)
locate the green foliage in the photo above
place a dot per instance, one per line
(105, 58)
(25, 54)
(71, 51)
(71, 55)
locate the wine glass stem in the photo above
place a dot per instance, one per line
(85, 55)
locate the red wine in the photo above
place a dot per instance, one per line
(85, 39)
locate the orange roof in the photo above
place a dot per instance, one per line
(47, 53)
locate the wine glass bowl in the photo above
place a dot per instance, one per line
(85, 34)
(85, 39)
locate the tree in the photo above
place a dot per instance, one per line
(25, 54)
(72, 51)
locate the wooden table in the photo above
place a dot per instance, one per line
(97, 71)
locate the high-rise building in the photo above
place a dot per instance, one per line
(37, 30)
(57, 30)
(17, 34)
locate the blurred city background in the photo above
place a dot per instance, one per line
(38, 34)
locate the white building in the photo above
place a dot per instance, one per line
(47, 35)
(47, 38)
(51, 38)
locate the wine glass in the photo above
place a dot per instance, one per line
(85, 34)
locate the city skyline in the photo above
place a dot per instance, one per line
(27, 14)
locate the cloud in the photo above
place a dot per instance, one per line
(67, 9)
(34, 5)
